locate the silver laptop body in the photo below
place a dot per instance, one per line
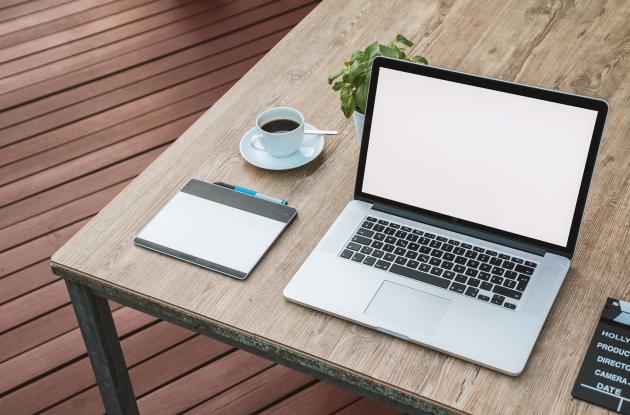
(467, 206)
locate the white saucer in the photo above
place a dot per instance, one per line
(311, 148)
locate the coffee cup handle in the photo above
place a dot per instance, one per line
(257, 144)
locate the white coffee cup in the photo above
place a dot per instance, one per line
(276, 138)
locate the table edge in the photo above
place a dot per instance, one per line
(287, 356)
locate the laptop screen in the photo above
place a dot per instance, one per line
(497, 159)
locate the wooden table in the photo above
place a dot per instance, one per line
(580, 48)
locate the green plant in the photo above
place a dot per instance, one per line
(355, 75)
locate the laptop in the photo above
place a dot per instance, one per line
(467, 206)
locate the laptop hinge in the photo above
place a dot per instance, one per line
(501, 240)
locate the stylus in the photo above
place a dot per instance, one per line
(253, 193)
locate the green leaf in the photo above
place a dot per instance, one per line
(334, 76)
(389, 52)
(361, 94)
(401, 39)
(420, 59)
(347, 101)
(338, 85)
(359, 55)
(372, 50)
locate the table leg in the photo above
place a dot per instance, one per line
(101, 340)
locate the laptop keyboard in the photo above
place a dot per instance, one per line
(466, 269)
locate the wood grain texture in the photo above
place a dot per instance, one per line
(579, 47)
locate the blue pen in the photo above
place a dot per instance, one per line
(253, 193)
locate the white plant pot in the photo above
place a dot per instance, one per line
(358, 125)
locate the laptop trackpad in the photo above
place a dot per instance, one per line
(406, 307)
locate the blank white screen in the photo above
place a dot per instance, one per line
(506, 161)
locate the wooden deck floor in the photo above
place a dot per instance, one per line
(91, 91)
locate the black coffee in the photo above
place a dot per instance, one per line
(280, 126)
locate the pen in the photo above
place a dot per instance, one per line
(253, 193)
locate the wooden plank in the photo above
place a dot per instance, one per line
(126, 53)
(26, 280)
(366, 406)
(46, 15)
(321, 398)
(31, 84)
(39, 331)
(136, 91)
(61, 350)
(34, 32)
(255, 393)
(17, 10)
(152, 374)
(78, 376)
(214, 80)
(145, 70)
(33, 305)
(55, 46)
(207, 381)
(52, 220)
(77, 188)
(31, 252)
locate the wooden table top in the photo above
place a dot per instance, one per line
(581, 48)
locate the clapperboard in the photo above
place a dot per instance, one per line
(604, 378)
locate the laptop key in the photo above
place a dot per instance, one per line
(401, 260)
(388, 248)
(453, 242)
(441, 239)
(436, 271)
(436, 253)
(524, 269)
(483, 297)
(449, 274)
(458, 288)
(517, 260)
(491, 253)
(347, 253)
(420, 276)
(411, 254)
(367, 225)
(377, 244)
(509, 283)
(507, 292)
(378, 228)
(447, 265)
(389, 231)
(435, 261)
(497, 299)
(471, 254)
(461, 278)
(425, 249)
(447, 247)
(435, 244)
(495, 261)
(402, 242)
(503, 256)
(418, 232)
(471, 272)
(509, 305)
(530, 264)
(358, 257)
(362, 240)
(479, 249)
(471, 291)
(486, 286)
(411, 237)
(425, 267)
(429, 235)
(485, 267)
(354, 246)
(401, 234)
(382, 264)
(508, 265)
(377, 253)
(369, 260)
(472, 263)
(366, 250)
(466, 246)
(400, 251)
(423, 258)
(365, 232)
(484, 276)
(497, 271)
(460, 260)
(412, 264)
(389, 257)
(379, 236)
(390, 240)
(483, 258)
(394, 225)
(459, 268)
(521, 286)
(371, 219)
(473, 282)
(406, 228)
(511, 275)
(449, 256)
(383, 222)
(414, 246)
(497, 280)
(424, 241)
(523, 278)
